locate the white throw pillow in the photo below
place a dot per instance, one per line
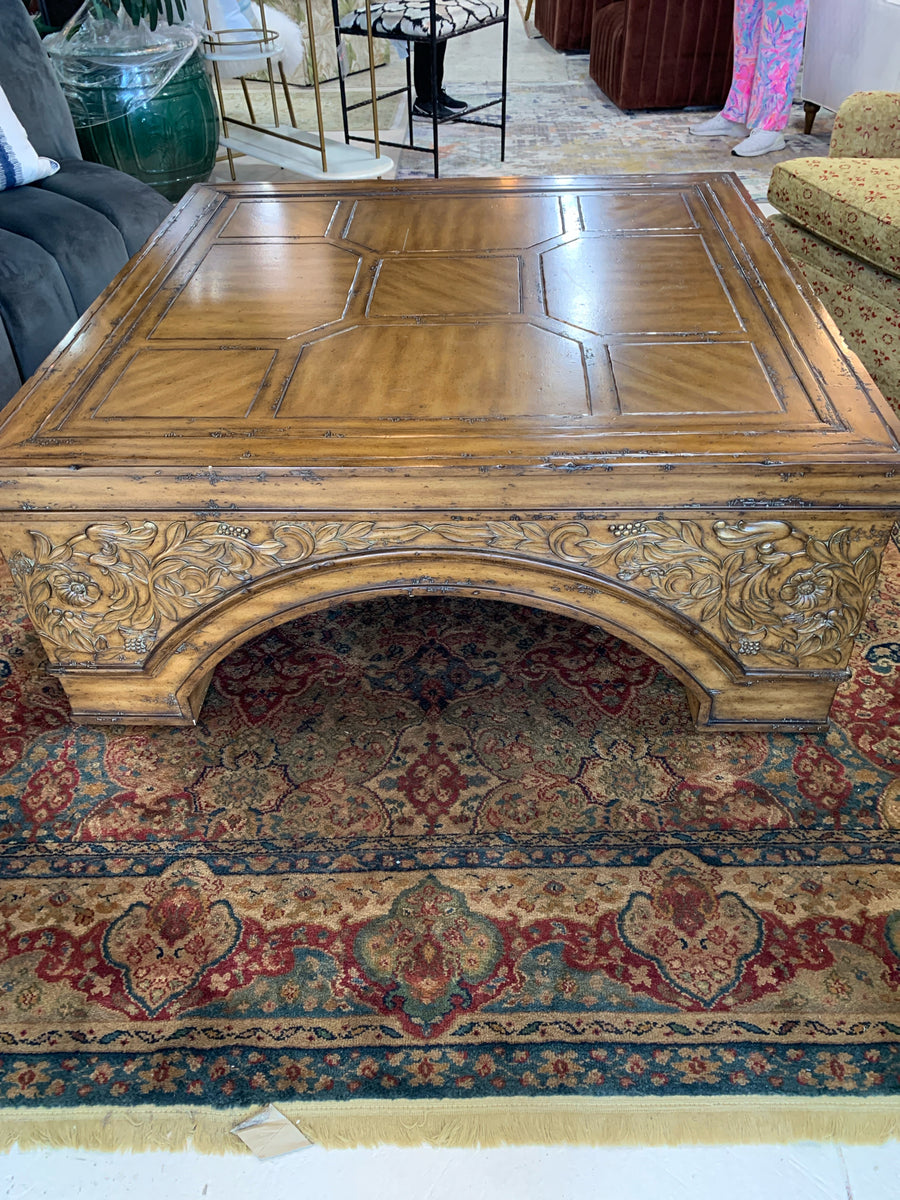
(19, 161)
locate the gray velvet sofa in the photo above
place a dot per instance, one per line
(62, 240)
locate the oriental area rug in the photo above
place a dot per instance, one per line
(452, 871)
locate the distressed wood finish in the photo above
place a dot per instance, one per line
(610, 398)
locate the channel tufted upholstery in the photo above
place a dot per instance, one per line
(661, 53)
(839, 217)
(62, 239)
(564, 24)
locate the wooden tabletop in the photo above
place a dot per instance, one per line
(458, 325)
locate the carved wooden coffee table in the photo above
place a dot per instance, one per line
(610, 398)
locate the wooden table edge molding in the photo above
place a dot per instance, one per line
(737, 547)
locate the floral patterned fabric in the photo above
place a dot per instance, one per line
(864, 303)
(867, 126)
(843, 227)
(768, 48)
(852, 203)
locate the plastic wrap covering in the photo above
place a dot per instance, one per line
(108, 66)
(242, 36)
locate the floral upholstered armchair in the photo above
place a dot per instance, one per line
(839, 217)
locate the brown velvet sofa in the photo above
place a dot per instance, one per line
(564, 24)
(661, 53)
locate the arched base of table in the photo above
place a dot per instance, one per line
(169, 687)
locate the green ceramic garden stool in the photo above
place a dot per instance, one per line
(170, 142)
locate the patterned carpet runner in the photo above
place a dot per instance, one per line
(443, 849)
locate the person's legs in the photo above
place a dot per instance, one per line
(731, 120)
(422, 64)
(747, 29)
(778, 63)
(422, 70)
(768, 48)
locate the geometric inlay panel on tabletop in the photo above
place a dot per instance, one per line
(629, 210)
(485, 372)
(426, 286)
(661, 377)
(268, 219)
(154, 384)
(495, 223)
(250, 291)
(620, 285)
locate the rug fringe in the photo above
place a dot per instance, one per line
(468, 1123)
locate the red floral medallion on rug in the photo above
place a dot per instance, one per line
(447, 848)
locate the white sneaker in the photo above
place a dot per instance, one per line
(760, 141)
(717, 126)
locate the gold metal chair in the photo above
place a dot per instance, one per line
(284, 144)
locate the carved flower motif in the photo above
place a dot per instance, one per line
(807, 588)
(79, 590)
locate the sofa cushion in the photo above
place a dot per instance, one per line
(135, 209)
(850, 202)
(36, 307)
(10, 378)
(32, 87)
(864, 302)
(878, 285)
(86, 246)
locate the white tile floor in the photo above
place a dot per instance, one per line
(806, 1171)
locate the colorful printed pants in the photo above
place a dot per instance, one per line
(768, 48)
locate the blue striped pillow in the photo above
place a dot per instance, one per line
(19, 161)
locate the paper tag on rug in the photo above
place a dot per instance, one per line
(270, 1133)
